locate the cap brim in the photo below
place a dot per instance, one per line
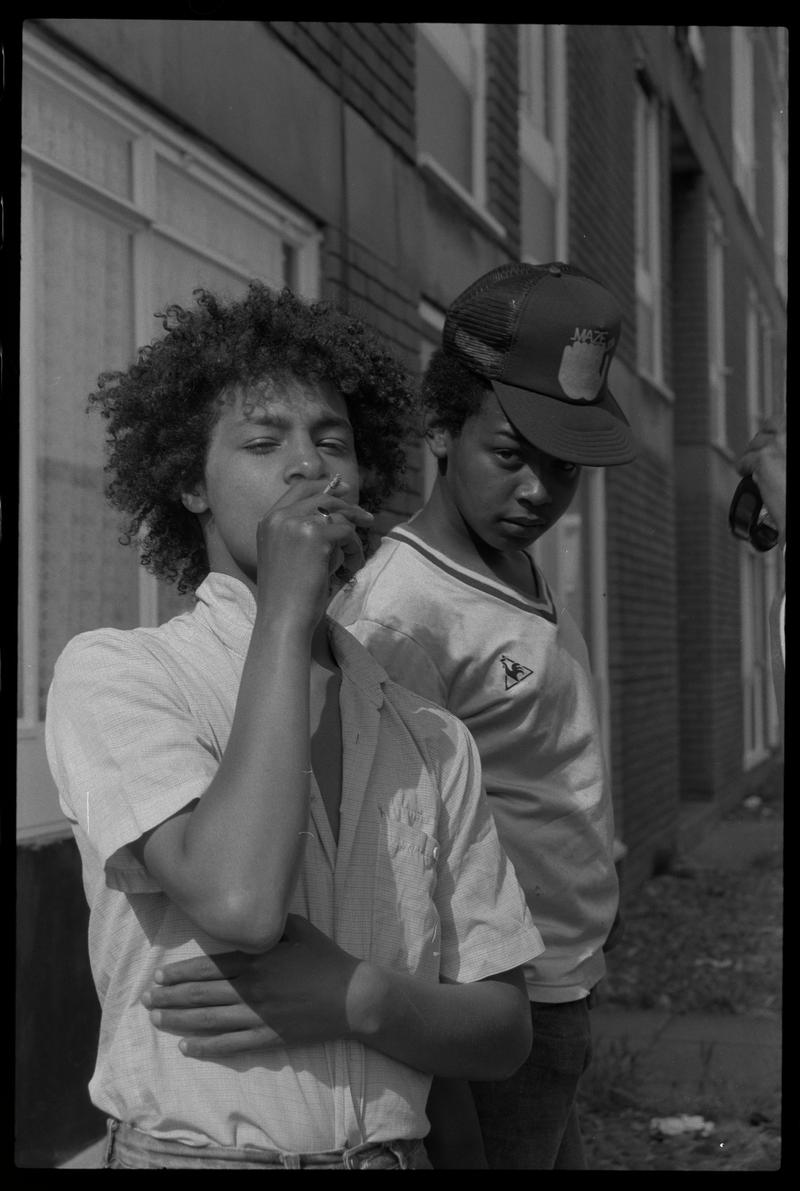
(596, 435)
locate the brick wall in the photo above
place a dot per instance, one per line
(600, 80)
(695, 534)
(643, 661)
(689, 309)
(365, 270)
(717, 88)
(372, 63)
(640, 530)
(736, 277)
(502, 129)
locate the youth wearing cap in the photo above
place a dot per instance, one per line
(454, 606)
(543, 336)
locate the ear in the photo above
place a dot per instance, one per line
(437, 437)
(196, 500)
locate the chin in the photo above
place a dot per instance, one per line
(521, 540)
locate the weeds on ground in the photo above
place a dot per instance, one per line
(619, 1117)
(706, 941)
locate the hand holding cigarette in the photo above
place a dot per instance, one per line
(332, 484)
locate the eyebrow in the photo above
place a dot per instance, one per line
(264, 417)
(509, 433)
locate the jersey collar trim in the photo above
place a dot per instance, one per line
(543, 606)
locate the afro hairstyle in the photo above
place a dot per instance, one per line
(161, 411)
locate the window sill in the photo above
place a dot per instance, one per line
(724, 451)
(657, 387)
(431, 170)
(755, 757)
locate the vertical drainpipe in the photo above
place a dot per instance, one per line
(344, 208)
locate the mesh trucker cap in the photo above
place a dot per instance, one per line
(543, 337)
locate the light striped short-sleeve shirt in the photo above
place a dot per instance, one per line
(137, 723)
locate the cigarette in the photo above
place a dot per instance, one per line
(334, 482)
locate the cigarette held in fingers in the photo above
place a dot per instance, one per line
(333, 482)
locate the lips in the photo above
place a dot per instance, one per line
(525, 522)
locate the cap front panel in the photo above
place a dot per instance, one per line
(566, 336)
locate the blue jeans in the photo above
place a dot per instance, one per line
(129, 1149)
(530, 1121)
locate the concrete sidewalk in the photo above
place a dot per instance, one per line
(680, 1059)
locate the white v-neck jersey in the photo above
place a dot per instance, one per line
(516, 671)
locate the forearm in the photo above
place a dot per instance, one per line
(463, 1031)
(238, 857)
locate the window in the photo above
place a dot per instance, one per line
(573, 557)
(717, 370)
(451, 105)
(690, 41)
(535, 85)
(743, 113)
(759, 577)
(780, 187)
(120, 216)
(648, 236)
(759, 709)
(542, 135)
(761, 399)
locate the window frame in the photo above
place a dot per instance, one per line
(758, 572)
(151, 138)
(467, 60)
(758, 575)
(648, 208)
(780, 192)
(535, 145)
(743, 135)
(546, 156)
(718, 369)
(759, 362)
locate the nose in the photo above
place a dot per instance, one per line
(305, 463)
(532, 489)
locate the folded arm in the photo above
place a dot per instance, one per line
(307, 989)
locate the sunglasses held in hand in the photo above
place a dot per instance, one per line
(747, 517)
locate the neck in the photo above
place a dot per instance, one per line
(440, 524)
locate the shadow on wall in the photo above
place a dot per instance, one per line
(57, 1012)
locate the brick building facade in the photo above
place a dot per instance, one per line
(384, 167)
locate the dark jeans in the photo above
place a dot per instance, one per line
(530, 1121)
(129, 1149)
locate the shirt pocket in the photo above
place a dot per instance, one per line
(405, 920)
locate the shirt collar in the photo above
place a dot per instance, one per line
(228, 606)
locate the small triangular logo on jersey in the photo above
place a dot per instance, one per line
(514, 671)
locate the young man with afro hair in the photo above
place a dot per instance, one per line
(259, 809)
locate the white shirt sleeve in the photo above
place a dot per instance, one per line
(124, 750)
(486, 926)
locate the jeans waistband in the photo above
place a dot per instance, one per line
(127, 1146)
